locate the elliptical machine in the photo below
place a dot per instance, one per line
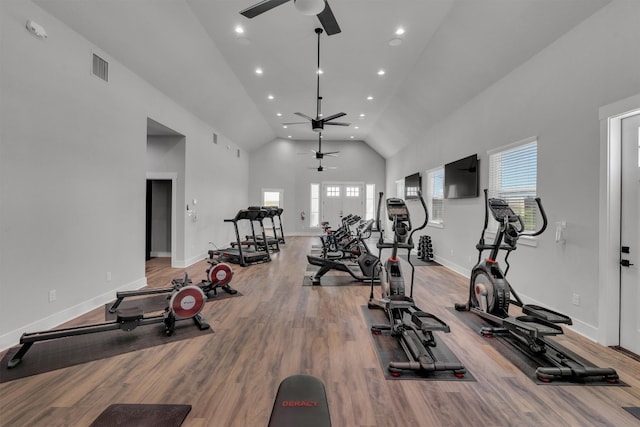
(490, 295)
(413, 327)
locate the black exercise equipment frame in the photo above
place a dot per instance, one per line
(206, 285)
(536, 323)
(238, 254)
(127, 320)
(413, 327)
(366, 261)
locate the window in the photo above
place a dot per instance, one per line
(400, 188)
(513, 177)
(352, 191)
(271, 197)
(333, 191)
(370, 202)
(314, 217)
(435, 195)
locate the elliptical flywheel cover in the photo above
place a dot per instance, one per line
(187, 302)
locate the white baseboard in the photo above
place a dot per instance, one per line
(12, 338)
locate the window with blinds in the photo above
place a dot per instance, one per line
(435, 195)
(513, 174)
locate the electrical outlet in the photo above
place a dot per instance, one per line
(576, 299)
(52, 295)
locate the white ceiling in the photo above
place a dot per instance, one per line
(450, 52)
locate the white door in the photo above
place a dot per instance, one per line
(630, 236)
(341, 199)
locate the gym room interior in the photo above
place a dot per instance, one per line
(132, 132)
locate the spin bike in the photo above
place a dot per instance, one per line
(186, 303)
(413, 327)
(219, 274)
(490, 295)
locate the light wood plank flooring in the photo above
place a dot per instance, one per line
(279, 328)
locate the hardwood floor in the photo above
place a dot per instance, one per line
(280, 328)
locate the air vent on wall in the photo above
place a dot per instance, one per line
(238, 153)
(100, 68)
(215, 138)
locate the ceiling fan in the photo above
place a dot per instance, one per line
(319, 154)
(320, 168)
(317, 124)
(320, 8)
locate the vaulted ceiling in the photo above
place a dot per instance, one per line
(451, 50)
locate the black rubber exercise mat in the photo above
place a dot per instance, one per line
(388, 349)
(633, 410)
(60, 353)
(142, 415)
(525, 360)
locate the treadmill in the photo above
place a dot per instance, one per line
(273, 242)
(240, 252)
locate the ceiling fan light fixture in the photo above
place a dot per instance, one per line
(309, 7)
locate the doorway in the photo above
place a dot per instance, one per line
(630, 235)
(619, 193)
(340, 199)
(158, 219)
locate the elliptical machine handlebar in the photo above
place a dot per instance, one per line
(426, 216)
(543, 214)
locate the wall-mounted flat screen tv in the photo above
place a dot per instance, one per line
(461, 178)
(412, 184)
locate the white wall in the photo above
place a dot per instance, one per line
(73, 172)
(554, 96)
(289, 165)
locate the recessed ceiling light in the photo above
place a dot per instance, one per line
(351, 137)
(369, 98)
(381, 72)
(357, 127)
(270, 96)
(279, 114)
(284, 126)
(288, 136)
(239, 29)
(399, 31)
(361, 114)
(259, 71)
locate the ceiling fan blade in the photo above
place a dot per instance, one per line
(303, 115)
(262, 7)
(334, 116)
(328, 21)
(331, 153)
(296, 123)
(338, 124)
